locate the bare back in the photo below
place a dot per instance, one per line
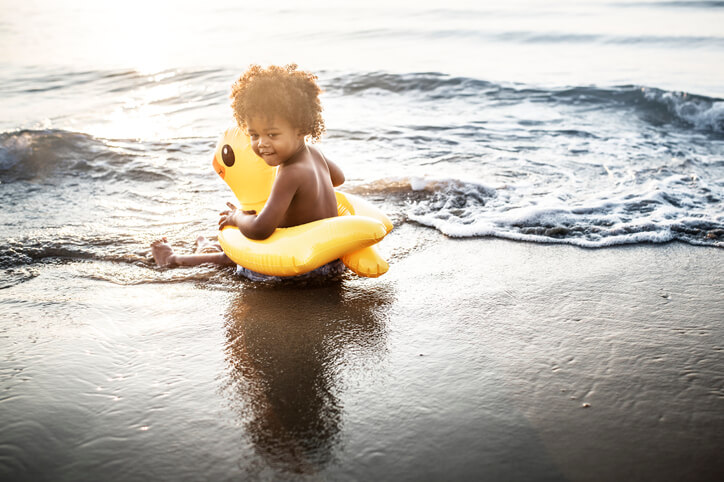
(314, 198)
(303, 192)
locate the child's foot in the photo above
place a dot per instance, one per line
(203, 245)
(162, 252)
(201, 242)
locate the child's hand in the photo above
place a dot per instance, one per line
(227, 217)
(230, 217)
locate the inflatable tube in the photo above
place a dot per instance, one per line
(365, 262)
(299, 249)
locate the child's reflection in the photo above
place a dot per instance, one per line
(286, 348)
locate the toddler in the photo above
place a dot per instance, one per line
(279, 108)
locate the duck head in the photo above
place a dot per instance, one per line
(248, 176)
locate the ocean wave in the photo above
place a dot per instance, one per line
(423, 82)
(28, 154)
(10, 277)
(701, 112)
(703, 4)
(101, 82)
(652, 104)
(62, 245)
(655, 105)
(40, 155)
(656, 213)
(534, 37)
(665, 41)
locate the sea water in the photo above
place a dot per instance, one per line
(595, 124)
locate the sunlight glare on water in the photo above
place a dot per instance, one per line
(518, 40)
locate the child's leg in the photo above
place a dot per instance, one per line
(164, 255)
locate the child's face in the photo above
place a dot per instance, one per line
(274, 140)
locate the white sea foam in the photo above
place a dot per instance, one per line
(656, 212)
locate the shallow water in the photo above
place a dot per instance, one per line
(586, 166)
(591, 124)
(590, 163)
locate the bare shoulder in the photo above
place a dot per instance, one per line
(316, 154)
(335, 172)
(314, 150)
(297, 173)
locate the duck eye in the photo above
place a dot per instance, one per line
(227, 155)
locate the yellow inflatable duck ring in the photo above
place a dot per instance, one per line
(299, 249)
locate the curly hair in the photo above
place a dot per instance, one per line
(279, 91)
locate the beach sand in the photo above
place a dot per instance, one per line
(477, 359)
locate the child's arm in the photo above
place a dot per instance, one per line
(262, 225)
(335, 173)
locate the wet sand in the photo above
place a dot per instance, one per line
(476, 359)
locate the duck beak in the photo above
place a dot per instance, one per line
(219, 168)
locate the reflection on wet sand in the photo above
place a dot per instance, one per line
(286, 349)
